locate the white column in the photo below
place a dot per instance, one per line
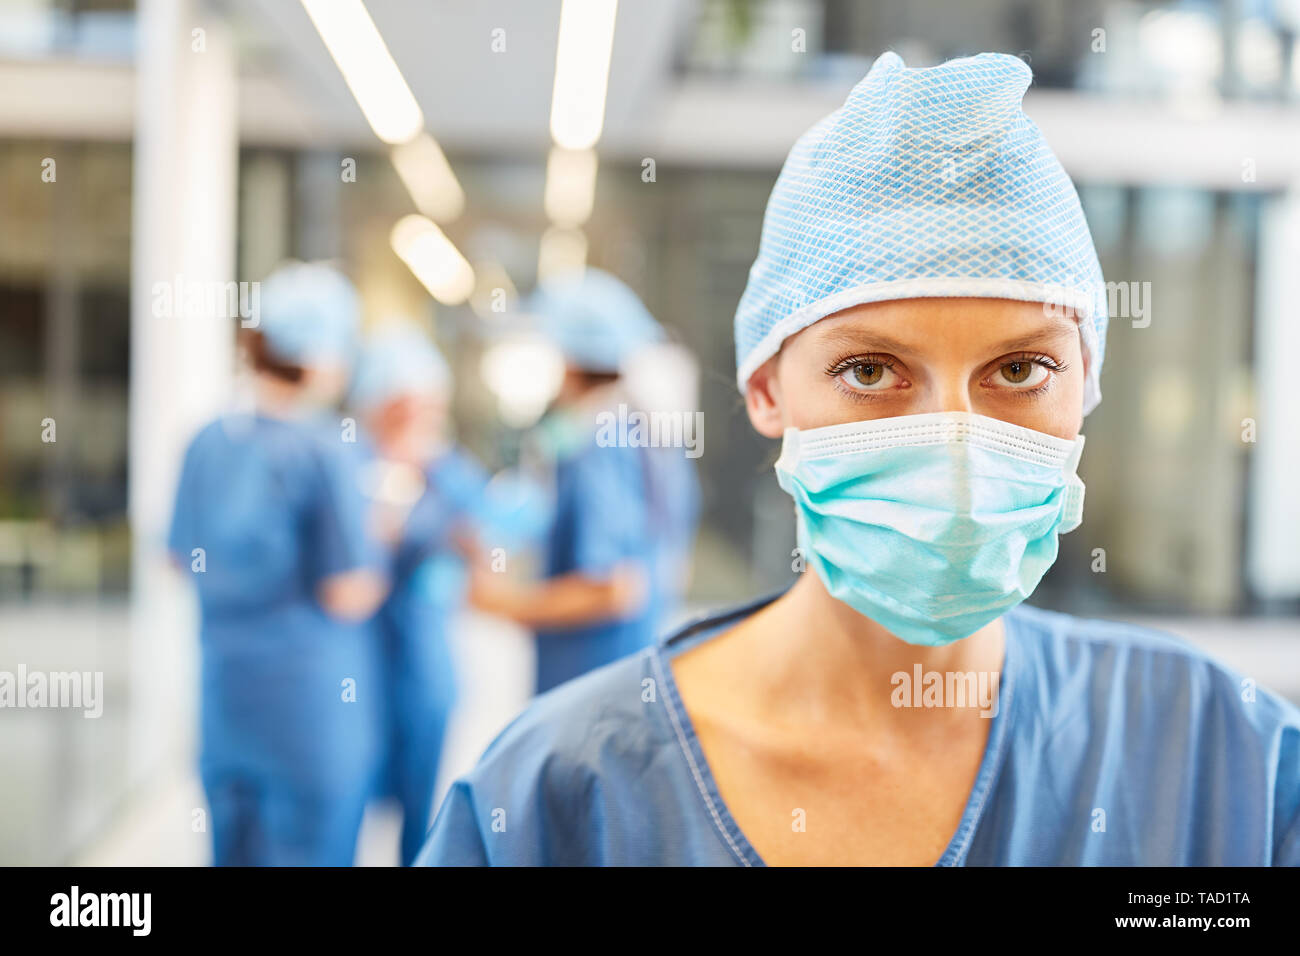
(1273, 559)
(183, 225)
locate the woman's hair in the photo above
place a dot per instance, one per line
(594, 379)
(260, 357)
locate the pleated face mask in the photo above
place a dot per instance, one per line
(931, 525)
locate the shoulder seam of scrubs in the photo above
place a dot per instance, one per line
(996, 749)
(657, 662)
(467, 791)
(1118, 633)
(711, 619)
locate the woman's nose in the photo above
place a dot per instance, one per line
(947, 394)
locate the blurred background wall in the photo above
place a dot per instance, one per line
(142, 141)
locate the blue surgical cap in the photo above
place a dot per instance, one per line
(309, 314)
(398, 359)
(594, 319)
(926, 182)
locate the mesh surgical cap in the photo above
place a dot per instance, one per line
(594, 319)
(926, 182)
(398, 359)
(310, 314)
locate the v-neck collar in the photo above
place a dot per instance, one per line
(707, 786)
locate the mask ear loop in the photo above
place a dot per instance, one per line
(1072, 463)
(1072, 501)
(790, 449)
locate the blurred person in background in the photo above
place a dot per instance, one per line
(923, 328)
(429, 497)
(623, 516)
(270, 522)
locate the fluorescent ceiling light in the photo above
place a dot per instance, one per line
(582, 71)
(428, 178)
(434, 260)
(562, 250)
(367, 67)
(570, 185)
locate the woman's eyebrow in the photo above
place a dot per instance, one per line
(865, 341)
(1031, 340)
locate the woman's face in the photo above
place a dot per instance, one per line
(410, 427)
(1020, 362)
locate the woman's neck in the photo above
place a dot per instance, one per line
(813, 653)
(275, 398)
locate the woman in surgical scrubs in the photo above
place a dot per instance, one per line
(623, 516)
(270, 524)
(923, 330)
(427, 493)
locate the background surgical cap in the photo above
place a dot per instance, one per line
(398, 359)
(594, 319)
(926, 182)
(309, 314)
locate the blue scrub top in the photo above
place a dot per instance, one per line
(617, 504)
(276, 506)
(429, 581)
(1091, 714)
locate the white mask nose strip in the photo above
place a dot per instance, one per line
(993, 434)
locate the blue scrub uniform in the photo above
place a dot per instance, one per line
(615, 504)
(1091, 715)
(289, 696)
(428, 590)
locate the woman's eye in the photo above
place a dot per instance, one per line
(867, 376)
(1023, 374)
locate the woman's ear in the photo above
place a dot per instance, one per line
(763, 400)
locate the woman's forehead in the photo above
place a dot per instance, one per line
(926, 324)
